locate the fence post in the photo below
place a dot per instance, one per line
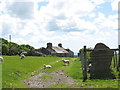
(118, 66)
(85, 65)
(82, 61)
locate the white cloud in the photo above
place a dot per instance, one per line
(8, 24)
(114, 5)
(42, 0)
(59, 21)
(21, 9)
(92, 15)
(110, 22)
(97, 2)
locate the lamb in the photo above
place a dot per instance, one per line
(47, 66)
(22, 56)
(66, 61)
(1, 59)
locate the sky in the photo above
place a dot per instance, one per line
(74, 23)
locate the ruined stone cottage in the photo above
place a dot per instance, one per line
(56, 50)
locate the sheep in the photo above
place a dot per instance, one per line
(66, 61)
(47, 66)
(22, 56)
(57, 61)
(1, 59)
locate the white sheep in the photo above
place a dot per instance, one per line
(22, 56)
(47, 66)
(66, 61)
(57, 61)
(1, 59)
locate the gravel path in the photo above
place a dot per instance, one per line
(54, 78)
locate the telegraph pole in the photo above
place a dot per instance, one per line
(9, 44)
(10, 38)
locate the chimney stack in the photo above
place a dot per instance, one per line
(49, 45)
(60, 45)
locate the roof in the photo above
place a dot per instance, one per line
(59, 49)
(68, 50)
(51, 50)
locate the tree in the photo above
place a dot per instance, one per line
(5, 49)
(3, 41)
(11, 48)
(27, 47)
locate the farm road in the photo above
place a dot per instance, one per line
(57, 77)
(45, 79)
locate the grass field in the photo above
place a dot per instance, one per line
(14, 70)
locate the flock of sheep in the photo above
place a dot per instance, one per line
(49, 66)
(22, 56)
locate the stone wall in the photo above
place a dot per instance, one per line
(101, 58)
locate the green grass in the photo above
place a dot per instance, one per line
(61, 86)
(98, 83)
(74, 70)
(58, 65)
(90, 84)
(14, 70)
(55, 66)
(114, 69)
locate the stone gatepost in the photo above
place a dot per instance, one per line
(101, 58)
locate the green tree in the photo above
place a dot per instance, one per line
(13, 48)
(27, 47)
(5, 49)
(3, 41)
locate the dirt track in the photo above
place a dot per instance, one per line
(57, 77)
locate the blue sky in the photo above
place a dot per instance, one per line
(74, 23)
(40, 4)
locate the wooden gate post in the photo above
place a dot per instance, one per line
(85, 65)
(82, 63)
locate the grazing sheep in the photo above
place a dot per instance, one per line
(1, 59)
(66, 61)
(22, 56)
(47, 66)
(56, 61)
